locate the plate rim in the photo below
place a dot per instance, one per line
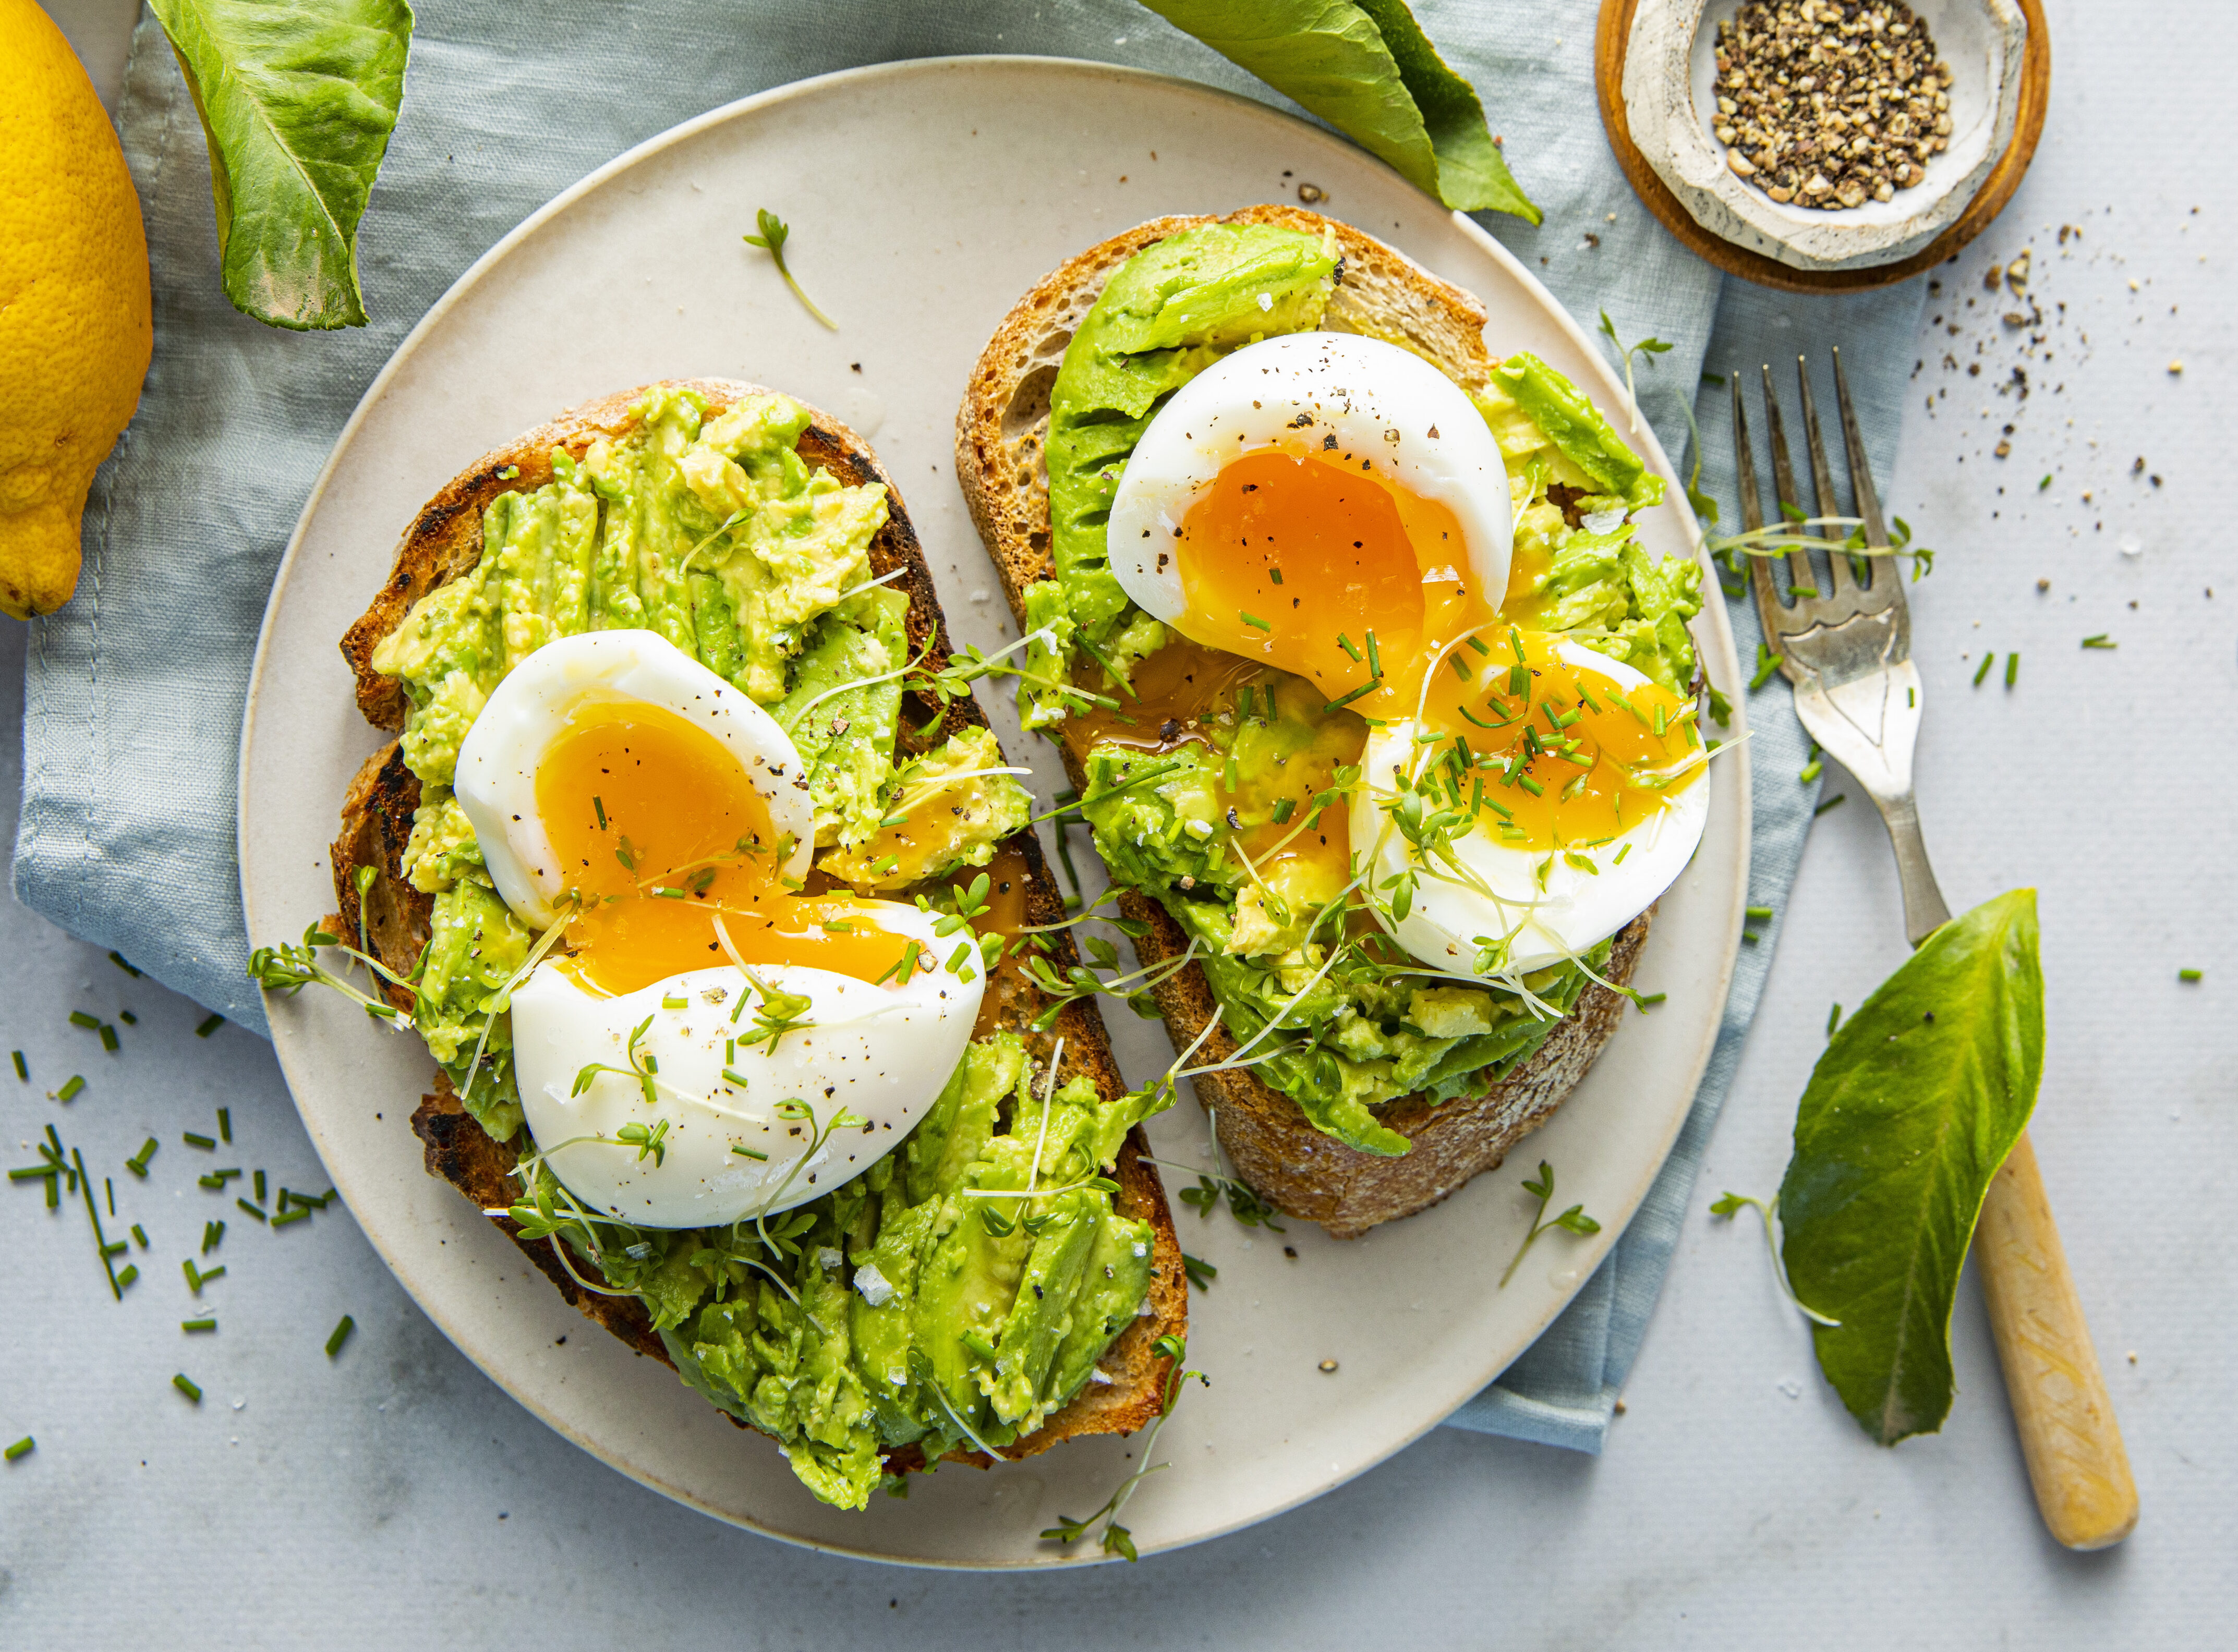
(1720, 642)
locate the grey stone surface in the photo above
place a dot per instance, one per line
(396, 1498)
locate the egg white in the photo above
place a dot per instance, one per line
(884, 1053)
(531, 707)
(1416, 427)
(1575, 911)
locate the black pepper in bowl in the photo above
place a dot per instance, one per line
(1830, 103)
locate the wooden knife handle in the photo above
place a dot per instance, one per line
(2067, 1432)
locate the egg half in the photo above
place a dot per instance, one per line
(1574, 783)
(621, 790)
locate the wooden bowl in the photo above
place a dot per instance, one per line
(1612, 38)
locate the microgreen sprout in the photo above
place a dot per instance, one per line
(772, 240)
(287, 969)
(1116, 1539)
(1649, 347)
(1573, 1220)
(1730, 1204)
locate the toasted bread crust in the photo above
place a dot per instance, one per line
(1000, 461)
(444, 542)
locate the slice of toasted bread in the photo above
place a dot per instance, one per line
(444, 541)
(1000, 462)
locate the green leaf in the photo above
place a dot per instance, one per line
(1914, 1105)
(297, 101)
(1368, 70)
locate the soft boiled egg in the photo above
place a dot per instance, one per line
(1538, 805)
(1327, 504)
(622, 789)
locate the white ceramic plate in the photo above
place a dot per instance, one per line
(968, 179)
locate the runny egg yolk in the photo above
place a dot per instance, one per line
(1546, 755)
(661, 832)
(1329, 572)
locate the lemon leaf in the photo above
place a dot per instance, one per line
(297, 101)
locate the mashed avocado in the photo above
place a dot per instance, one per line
(905, 1307)
(1368, 1031)
(715, 533)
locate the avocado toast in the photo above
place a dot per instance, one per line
(884, 1326)
(1389, 1088)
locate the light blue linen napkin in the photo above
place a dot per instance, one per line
(133, 691)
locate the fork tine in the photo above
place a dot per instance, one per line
(1782, 480)
(1768, 611)
(1861, 472)
(1822, 481)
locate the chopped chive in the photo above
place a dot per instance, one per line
(1461, 667)
(1519, 681)
(1662, 721)
(748, 1152)
(1515, 642)
(131, 1273)
(22, 1448)
(676, 1003)
(1479, 646)
(1531, 786)
(140, 1234)
(1835, 802)
(1767, 667)
(23, 1068)
(259, 1187)
(128, 1018)
(301, 1212)
(2190, 974)
(2040, 486)
(114, 1248)
(971, 1339)
(1368, 687)
(185, 1384)
(198, 1324)
(79, 1018)
(138, 1163)
(207, 1025)
(1759, 914)
(71, 1085)
(1346, 644)
(1811, 770)
(2012, 668)
(225, 1124)
(2100, 640)
(193, 1279)
(1751, 936)
(112, 1186)
(29, 1171)
(1375, 655)
(598, 803)
(108, 1038)
(1284, 809)
(204, 1142)
(1245, 701)
(252, 1210)
(1646, 999)
(732, 1075)
(340, 1335)
(1275, 574)
(1833, 1020)
(119, 960)
(1988, 660)
(213, 1235)
(1254, 621)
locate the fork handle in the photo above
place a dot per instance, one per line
(2075, 1458)
(1924, 910)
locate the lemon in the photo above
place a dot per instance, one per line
(75, 330)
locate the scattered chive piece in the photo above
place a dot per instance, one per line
(598, 803)
(71, 1085)
(198, 1324)
(1835, 802)
(31, 1171)
(748, 1152)
(1988, 660)
(1374, 656)
(1751, 936)
(22, 1448)
(732, 1075)
(108, 1038)
(341, 1336)
(213, 1235)
(252, 1210)
(224, 1114)
(1811, 771)
(131, 1273)
(1367, 687)
(1644, 999)
(1275, 574)
(23, 1068)
(1531, 786)
(1833, 1020)
(194, 1140)
(259, 1187)
(1761, 914)
(122, 962)
(185, 1384)
(138, 1233)
(1480, 645)
(1346, 644)
(128, 1018)
(1284, 809)
(2190, 974)
(112, 1186)
(79, 1018)
(1460, 665)
(2100, 640)
(2012, 668)
(138, 1163)
(209, 1024)
(676, 1003)
(301, 1212)
(194, 1280)
(1253, 620)
(2040, 486)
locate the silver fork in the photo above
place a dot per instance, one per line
(1846, 650)
(1846, 646)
